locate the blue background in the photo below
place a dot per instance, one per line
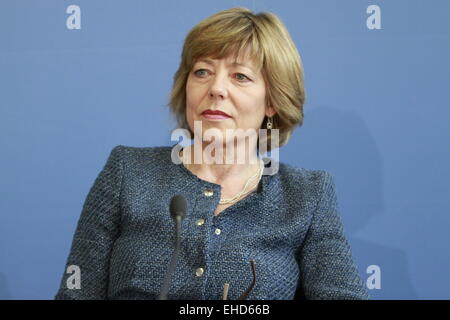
(377, 118)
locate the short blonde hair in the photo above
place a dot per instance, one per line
(271, 48)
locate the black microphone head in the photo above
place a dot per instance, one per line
(178, 206)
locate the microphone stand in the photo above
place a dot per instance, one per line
(173, 261)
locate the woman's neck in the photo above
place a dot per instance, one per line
(220, 170)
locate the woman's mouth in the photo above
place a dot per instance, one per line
(215, 115)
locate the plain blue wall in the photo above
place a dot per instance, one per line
(376, 117)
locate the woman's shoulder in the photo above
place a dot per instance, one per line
(142, 150)
(300, 179)
(138, 151)
(290, 171)
(132, 155)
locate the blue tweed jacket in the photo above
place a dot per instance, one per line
(290, 227)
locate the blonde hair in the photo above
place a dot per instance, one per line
(272, 50)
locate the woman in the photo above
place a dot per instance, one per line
(280, 232)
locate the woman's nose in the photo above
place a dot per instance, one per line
(218, 87)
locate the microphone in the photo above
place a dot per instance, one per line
(178, 207)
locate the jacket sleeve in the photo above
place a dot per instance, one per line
(97, 228)
(327, 269)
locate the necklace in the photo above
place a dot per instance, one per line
(245, 189)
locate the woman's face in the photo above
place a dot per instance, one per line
(237, 90)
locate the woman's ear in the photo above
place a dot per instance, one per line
(270, 111)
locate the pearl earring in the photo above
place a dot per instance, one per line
(269, 123)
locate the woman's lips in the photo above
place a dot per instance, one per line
(211, 116)
(215, 115)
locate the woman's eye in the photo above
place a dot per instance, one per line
(240, 74)
(241, 77)
(197, 72)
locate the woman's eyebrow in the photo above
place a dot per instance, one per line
(211, 62)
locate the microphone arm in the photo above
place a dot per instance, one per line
(173, 261)
(177, 212)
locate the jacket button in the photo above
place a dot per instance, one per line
(199, 222)
(208, 193)
(217, 231)
(199, 272)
